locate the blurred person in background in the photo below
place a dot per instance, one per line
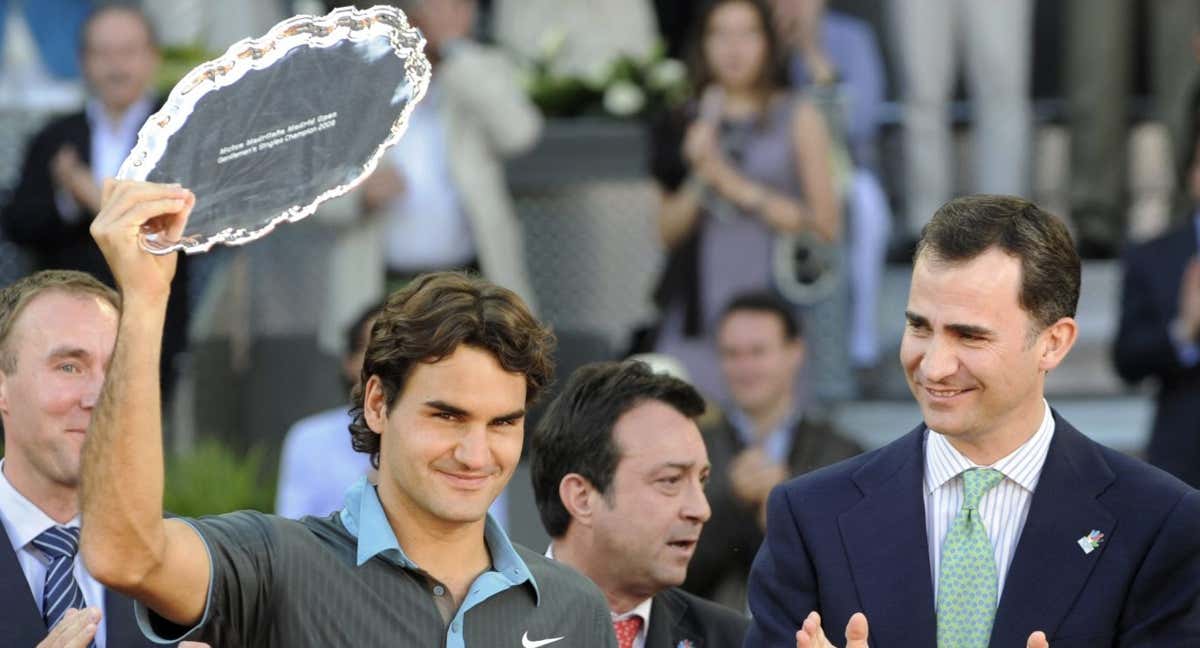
(836, 57)
(1099, 62)
(619, 471)
(318, 464)
(764, 438)
(452, 208)
(745, 161)
(65, 163)
(1159, 334)
(993, 43)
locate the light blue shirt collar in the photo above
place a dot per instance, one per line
(364, 518)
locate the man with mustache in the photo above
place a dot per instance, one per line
(618, 469)
(994, 522)
(413, 559)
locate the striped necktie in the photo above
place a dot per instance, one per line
(61, 592)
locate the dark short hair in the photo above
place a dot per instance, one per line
(769, 303)
(431, 317)
(17, 295)
(966, 227)
(575, 434)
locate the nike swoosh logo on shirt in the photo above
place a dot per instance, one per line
(526, 642)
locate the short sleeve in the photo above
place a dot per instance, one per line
(240, 548)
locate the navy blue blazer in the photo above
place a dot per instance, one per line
(851, 538)
(21, 625)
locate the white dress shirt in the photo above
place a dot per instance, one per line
(641, 609)
(427, 228)
(23, 521)
(1002, 509)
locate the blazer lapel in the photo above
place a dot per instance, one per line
(1049, 567)
(666, 617)
(886, 547)
(20, 622)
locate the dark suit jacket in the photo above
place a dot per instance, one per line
(732, 535)
(21, 625)
(1143, 349)
(681, 619)
(32, 220)
(851, 538)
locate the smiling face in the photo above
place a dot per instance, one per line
(974, 359)
(647, 524)
(758, 359)
(451, 440)
(61, 343)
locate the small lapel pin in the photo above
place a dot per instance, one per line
(1091, 541)
(686, 643)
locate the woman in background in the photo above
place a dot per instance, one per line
(747, 161)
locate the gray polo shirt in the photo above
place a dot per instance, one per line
(344, 581)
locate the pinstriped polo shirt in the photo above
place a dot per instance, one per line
(1003, 509)
(344, 581)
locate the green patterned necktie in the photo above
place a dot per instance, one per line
(966, 603)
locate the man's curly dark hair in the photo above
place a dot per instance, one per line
(430, 318)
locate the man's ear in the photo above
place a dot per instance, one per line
(3, 392)
(375, 405)
(579, 497)
(1056, 342)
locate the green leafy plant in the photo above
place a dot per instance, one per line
(213, 479)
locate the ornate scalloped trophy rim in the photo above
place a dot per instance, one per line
(341, 24)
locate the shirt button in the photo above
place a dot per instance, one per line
(455, 626)
(438, 590)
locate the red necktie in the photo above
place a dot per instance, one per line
(627, 631)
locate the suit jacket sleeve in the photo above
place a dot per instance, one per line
(1143, 347)
(32, 217)
(782, 587)
(1163, 608)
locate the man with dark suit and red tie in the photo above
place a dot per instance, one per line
(994, 522)
(57, 330)
(618, 467)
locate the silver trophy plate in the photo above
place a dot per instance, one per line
(279, 124)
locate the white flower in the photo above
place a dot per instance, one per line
(551, 42)
(666, 74)
(624, 99)
(598, 74)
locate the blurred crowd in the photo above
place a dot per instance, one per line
(815, 140)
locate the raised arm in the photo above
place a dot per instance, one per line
(125, 542)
